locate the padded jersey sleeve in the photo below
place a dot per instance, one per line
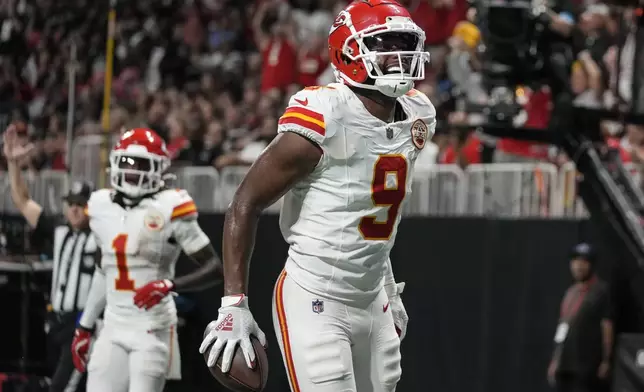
(184, 208)
(307, 113)
(183, 221)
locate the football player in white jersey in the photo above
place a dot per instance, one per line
(343, 161)
(142, 226)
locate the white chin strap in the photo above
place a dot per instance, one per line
(393, 88)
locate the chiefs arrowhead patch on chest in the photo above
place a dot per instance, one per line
(419, 133)
(153, 220)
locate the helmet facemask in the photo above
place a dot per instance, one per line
(392, 54)
(136, 174)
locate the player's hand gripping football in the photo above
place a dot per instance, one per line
(397, 308)
(234, 325)
(152, 293)
(80, 348)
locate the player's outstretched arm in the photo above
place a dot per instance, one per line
(286, 161)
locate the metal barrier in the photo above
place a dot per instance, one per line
(512, 190)
(6, 204)
(572, 205)
(505, 190)
(230, 178)
(46, 188)
(202, 183)
(438, 191)
(86, 159)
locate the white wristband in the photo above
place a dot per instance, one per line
(239, 300)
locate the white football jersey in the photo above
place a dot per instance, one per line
(140, 245)
(341, 221)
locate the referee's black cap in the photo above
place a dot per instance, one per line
(79, 193)
(583, 251)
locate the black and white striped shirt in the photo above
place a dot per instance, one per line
(74, 255)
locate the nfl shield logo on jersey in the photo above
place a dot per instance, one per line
(318, 306)
(419, 133)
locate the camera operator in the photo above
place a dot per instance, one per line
(74, 256)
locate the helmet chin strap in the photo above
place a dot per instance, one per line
(386, 87)
(394, 88)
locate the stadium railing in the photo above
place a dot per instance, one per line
(573, 206)
(513, 190)
(47, 187)
(531, 190)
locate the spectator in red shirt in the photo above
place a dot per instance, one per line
(437, 17)
(461, 151)
(279, 56)
(313, 60)
(615, 143)
(537, 108)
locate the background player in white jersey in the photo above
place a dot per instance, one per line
(142, 227)
(343, 160)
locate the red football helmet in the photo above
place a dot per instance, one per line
(137, 163)
(374, 44)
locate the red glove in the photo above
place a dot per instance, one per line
(152, 293)
(80, 348)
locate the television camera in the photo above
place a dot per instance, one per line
(520, 47)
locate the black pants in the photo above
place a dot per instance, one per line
(570, 382)
(61, 333)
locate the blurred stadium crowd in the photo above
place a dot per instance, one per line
(212, 76)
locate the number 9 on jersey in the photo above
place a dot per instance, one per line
(388, 189)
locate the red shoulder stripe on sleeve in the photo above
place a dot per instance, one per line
(305, 118)
(183, 210)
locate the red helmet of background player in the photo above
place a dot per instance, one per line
(374, 44)
(137, 163)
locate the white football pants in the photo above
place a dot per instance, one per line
(331, 347)
(125, 359)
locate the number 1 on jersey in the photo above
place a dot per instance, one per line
(123, 281)
(388, 189)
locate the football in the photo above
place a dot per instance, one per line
(241, 378)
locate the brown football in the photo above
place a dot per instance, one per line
(241, 378)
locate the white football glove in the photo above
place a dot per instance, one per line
(233, 326)
(397, 308)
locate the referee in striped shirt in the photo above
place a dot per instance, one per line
(75, 252)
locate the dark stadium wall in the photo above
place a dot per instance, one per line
(482, 295)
